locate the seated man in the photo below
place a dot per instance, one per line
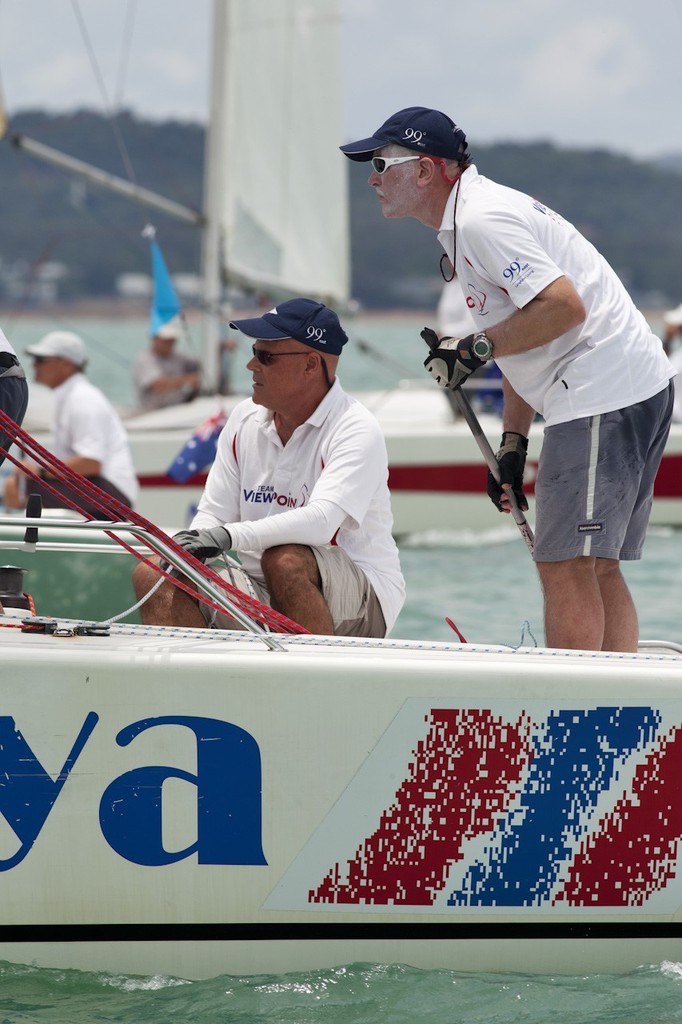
(163, 376)
(298, 488)
(88, 434)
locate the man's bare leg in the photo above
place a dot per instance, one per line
(621, 625)
(588, 605)
(169, 605)
(574, 610)
(293, 581)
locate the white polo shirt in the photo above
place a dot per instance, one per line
(86, 424)
(327, 485)
(509, 248)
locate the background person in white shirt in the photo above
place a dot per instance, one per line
(571, 346)
(298, 488)
(88, 433)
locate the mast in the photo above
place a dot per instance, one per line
(212, 247)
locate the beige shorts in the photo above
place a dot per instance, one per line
(354, 606)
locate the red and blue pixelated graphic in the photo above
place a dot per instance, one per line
(580, 809)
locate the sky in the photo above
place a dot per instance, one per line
(579, 73)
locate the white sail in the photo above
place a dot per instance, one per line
(276, 183)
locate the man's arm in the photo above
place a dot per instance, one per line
(556, 310)
(517, 415)
(190, 381)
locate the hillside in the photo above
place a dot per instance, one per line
(631, 210)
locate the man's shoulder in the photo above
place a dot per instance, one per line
(86, 389)
(82, 396)
(244, 411)
(350, 413)
(355, 406)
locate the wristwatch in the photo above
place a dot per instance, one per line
(482, 347)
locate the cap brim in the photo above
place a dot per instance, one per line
(257, 327)
(362, 150)
(36, 350)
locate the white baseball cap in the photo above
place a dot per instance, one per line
(673, 318)
(63, 344)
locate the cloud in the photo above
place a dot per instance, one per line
(571, 73)
(596, 60)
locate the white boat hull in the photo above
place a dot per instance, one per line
(196, 804)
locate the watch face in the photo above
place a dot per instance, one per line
(482, 347)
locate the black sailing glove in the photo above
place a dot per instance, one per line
(204, 544)
(511, 458)
(453, 360)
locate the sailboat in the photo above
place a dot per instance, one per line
(196, 803)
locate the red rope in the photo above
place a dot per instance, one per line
(117, 511)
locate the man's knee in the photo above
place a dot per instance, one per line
(569, 571)
(289, 561)
(607, 568)
(144, 578)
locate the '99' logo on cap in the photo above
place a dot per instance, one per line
(316, 334)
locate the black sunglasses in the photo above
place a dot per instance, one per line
(267, 358)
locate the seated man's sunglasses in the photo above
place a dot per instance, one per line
(267, 358)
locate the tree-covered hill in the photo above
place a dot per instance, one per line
(631, 210)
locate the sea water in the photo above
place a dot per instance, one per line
(486, 584)
(358, 993)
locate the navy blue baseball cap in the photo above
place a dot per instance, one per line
(304, 320)
(427, 131)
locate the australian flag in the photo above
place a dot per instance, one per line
(199, 451)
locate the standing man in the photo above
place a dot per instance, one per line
(299, 488)
(88, 433)
(571, 346)
(163, 376)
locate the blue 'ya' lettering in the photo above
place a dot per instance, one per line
(27, 793)
(228, 790)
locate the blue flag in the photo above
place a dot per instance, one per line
(165, 304)
(199, 451)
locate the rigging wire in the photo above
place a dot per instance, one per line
(110, 113)
(126, 46)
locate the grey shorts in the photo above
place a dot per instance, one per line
(595, 482)
(354, 606)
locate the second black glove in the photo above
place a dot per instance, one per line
(511, 458)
